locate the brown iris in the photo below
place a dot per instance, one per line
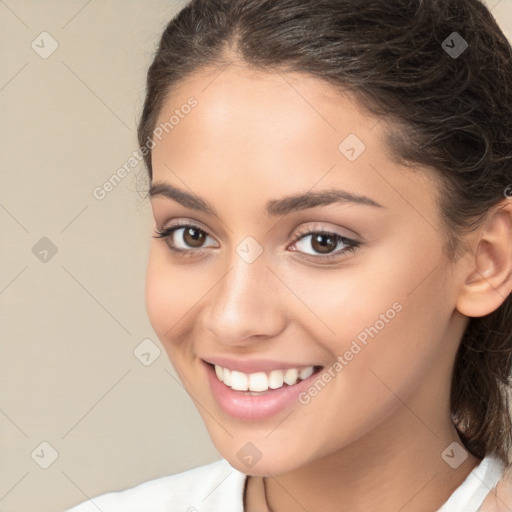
(321, 239)
(193, 236)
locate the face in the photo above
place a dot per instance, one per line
(354, 284)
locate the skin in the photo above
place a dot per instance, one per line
(372, 439)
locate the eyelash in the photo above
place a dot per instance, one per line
(351, 245)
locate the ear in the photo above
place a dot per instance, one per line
(487, 271)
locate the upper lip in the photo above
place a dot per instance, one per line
(253, 365)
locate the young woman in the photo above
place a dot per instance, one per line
(331, 266)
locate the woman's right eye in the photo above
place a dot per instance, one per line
(188, 241)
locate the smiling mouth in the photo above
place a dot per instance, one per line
(262, 382)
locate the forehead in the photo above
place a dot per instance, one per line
(267, 132)
(279, 119)
(276, 96)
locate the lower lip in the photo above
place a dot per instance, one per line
(255, 407)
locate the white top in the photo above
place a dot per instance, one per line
(218, 487)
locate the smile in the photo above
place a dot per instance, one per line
(260, 382)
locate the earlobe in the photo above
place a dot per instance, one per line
(487, 279)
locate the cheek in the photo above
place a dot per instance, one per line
(169, 300)
(159, 296)
(169, 295)
(388, 331)
(393, 321)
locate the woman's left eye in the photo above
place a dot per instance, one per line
(324, 243)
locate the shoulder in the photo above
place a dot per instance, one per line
(203, 488)
(499, 498)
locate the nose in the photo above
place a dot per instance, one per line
(248, 303)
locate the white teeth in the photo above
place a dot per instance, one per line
(276, 379)
(219, 371)
(261, 381)
(239, 381)
(258, 381)
(291, 376)
(307, 372)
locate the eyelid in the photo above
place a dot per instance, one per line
(351, 246)
(322, 228)
(169, 230)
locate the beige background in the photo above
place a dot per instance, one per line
(70, 323)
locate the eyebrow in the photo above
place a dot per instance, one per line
(274, 207)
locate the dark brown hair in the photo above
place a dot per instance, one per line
(449, 112)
